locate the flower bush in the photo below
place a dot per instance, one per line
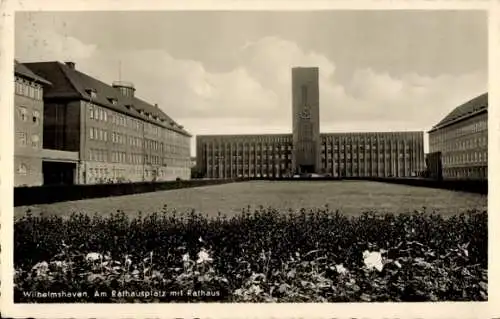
(264, 255)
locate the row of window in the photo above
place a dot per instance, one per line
(22, 138)
(460, 145)
(101, 155)
(453, 132)
(380, 165)
(258, 157)
(466, 158)
(98, 134)
(115, 174)
(325, 140)
(277, 173)
(98, 155)
(328, 148)
(118, 138)
(28, 89)
(25, 117)
(101, 114)
(471, 172)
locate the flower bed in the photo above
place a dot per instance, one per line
(259, 256)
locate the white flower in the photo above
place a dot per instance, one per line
(185, 257)
(93, 256)
(203, 256)
(58, 263)
(255, 289)
(41, 268)
(41, 265)
(397, 264)
(341, 269)
(200, 239)
(128, 261)
(373, 260)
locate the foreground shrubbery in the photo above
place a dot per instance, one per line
(259, 256)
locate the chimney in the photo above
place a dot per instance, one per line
(156, 105)
(71, 65)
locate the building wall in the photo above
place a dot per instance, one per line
(385, 154)
(305, 127)
(244, 156)
(61, 126)
(28, 138)
(399, 154)
(464, 148)
(120, 148)
(434, 165)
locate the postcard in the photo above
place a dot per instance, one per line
(249, 160)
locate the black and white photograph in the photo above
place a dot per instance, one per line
(266, 156)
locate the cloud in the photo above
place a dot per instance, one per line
(255, 95)
(49, 45)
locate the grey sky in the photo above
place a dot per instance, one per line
(229, 72)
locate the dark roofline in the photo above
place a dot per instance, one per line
(457, 120)
(72, 75)
(21, 69)
(117, 108)
(464, 111)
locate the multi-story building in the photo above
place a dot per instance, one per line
(384, 154)
(118, 136)
(306, 150)
(462, 139)
(28, 125)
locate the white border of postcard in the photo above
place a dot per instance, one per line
(357, 310)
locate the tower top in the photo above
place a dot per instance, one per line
(312, 68)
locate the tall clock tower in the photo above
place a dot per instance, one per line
(305, 112)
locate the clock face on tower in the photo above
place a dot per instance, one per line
(306, 113)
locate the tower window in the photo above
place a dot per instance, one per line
(304, 94)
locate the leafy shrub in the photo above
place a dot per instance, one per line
(263, 255)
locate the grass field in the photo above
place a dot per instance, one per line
(350, 197)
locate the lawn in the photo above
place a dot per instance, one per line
(350, 197)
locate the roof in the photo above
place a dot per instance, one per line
(70, 83)
(470, 108)
(23, 70)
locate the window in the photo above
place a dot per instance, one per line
(19, 88)
(31, 90)
(35, 140)
(21, 136)
(91, 110)
(23, 112)
(22, 169)
(91, 133)
(304, 94)
(36, 117)
(39, 93)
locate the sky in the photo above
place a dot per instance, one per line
(230, 72)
